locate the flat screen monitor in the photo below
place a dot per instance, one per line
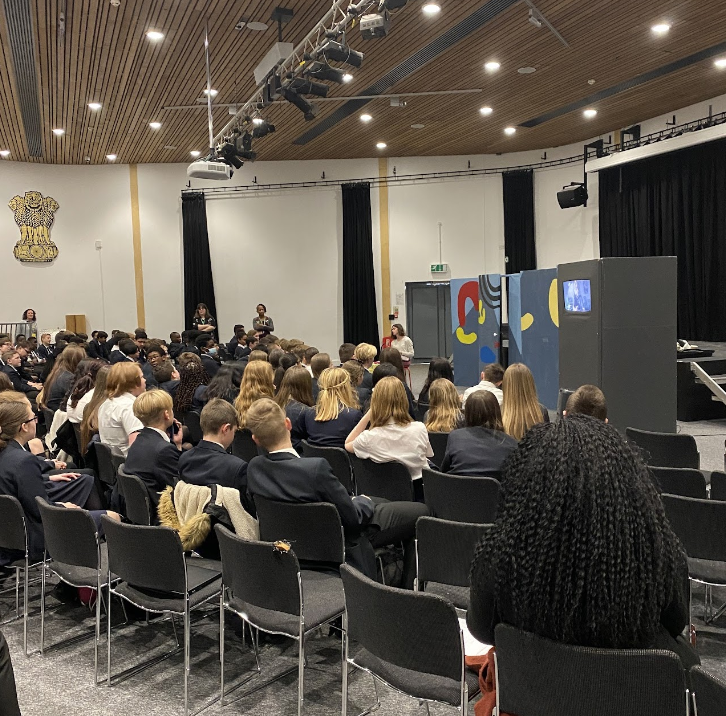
(577, 296)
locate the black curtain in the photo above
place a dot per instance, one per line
(360, 316)
(519, 246)
(198, 280)
(674, 205)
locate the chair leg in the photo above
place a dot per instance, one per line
(17, 592)
(221, 646)
(187, 636)
(42, 607)
(344, 664)
(25, 606)
(691, 627)
(98, 631)
(301, 672)
(108, 635)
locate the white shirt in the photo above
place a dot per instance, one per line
(309, 369)
(407, 444)
(484, 385)
(116, 421)
(75, 415)
(404, 346)
(291, 450)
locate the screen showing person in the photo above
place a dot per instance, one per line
(577, 296)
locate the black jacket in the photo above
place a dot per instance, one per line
(331, 433)
(476, 451)
(96, 349)
(155, 461)
(210, 365)
(19, 383)
(61, 385)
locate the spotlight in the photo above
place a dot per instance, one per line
(309, 109)
(338, 52)
(347, 77)
(322, 71)
(95, 106)
(485, 111)
(262, 130)
(309, 87)
(155, 35)
(228, 154)
(365, 118)
(534, 18)
(720, 63)
(492, 66)
(381, 145)
(257, 120)
(4, 153)
(661, 28)
(510, 130)
(195, 153)
(155, 125)
(111, 157)
(590, 113)
(431, 9)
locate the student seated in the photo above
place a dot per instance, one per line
(167, 376)
(444, 413)
(582, 551)
(89, 422)
(389, 370)
(282, 475)
(117, 424)
(356, 372)
(491, 380)
(246, 346)
(128, 351)
(238, 335)
(155, 354)
(346, 352)
(191, 376)
(224, 385)
(482, 446)
(521, 409)
(307, 357)
(175, 344)
(285, 362)
(82, 389)
(188, 343)
(391, 356)
(587, 400)
(365, 354)
(12, 370)
(256, 383)
(207, 348)
(59, 382)
(294, 397)
(97, 345)
(154, 457)
(438, 368)
(318, 363)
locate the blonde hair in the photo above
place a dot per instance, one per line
(123, 378)
(365, 352)
(389, 402)
(444, 407)
(266, 421)
(149, 407)
(12, 396)
(520, 406)
(256, 383)
(336, 392)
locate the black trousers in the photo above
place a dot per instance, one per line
(8, 695)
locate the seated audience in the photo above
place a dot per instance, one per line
(355, 371)
(239, 334)
(154, 457)
(286, 361)
(167, 377)
(307, 357)
(61, 376)
(5, 383)
(11, 368)
(521, 409)
(189, 343)
(175, 344)
(97, 345)
(256, 383)
(438, 368)
(117, 424)
(335, 414)
(402, 343)
(365, 354)
(491, 380)
(444, 413)
(128, 350)
(248, 344)
(587, 400)
(187, 358)
(155, 354)
(89, 422)
(294, 397)
(258, 354)
(207, 348)
(282, 475)
(82, 389)
(386, 370)
(582, 551)
(318, 364)
(346, 352)
(45, 349)
(224, 385)
(8, 692)
(191, 376)
(481, 447)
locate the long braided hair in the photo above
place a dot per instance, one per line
(582, 551)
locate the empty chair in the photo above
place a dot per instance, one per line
(539, 677)
(244, 446)
(444, 553)
(438, 443)
(191, 420)
(338, 459)
(718, 485)
(264, 585)
(709, 693)
(108, 463)
(389, 480)
(683, 481)
(666, 449)
(409, 640)
(461, 499)
(136, 497)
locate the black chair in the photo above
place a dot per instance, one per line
(157, 578)
(411, 641)
(683, 481)
(562, 397)
(338, 459)
(709, 693)
(389, 480)
(191, 420)
(48, 419)
(136, 497)
(444, 553)
(666, 449)
(244, 446)
(264, 585)
(461, 499)
(718, 485)
(438, 445)
(79, 442)
(421, 409)
(108, 463)
(539, 677)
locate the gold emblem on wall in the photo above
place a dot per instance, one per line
(34, 216)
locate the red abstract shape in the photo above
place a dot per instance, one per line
(468, 290)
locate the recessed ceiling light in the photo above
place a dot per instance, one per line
(95, 106)
(492, 66)
(417, 126)
(486, 111)
(510, 130)
(257, 120)
(111, 157)
(213, 92)
(590, 113)
(4, 152)
(59, 132)
(347, 77)
(381, 145)
(365, 118)
(195, 153)
(155, 35)
(526, 70)
(169, 146)
(256, 26)
(720, 63)
(155, 125)
(431, 9)
(661, 28)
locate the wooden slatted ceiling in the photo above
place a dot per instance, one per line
(104, 56)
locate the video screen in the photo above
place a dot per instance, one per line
(577, 296)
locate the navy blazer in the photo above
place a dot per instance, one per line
(330, 433)
(476, 451)
(61, 386)
(96, 349)
(19, 383)
(210, 365)
(174, 349)
(45, 352)
(170, 386)
(155, 461)
(286, 478)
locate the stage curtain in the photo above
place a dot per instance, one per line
(674, 205)
(519, 246)
(360, 315)
(198, 280)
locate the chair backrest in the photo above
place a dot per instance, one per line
(314, 529)
(666, 449)
(390, 480)
(338, 459)
(699, 525)
(411, 630)
(136, 496)
(70, 535)
(718, 485)
(445, 550)
(562, 397)
(461, 499)
(540, 677)
(107, 467)
(258, 573)
(48, 417)
(191, 420)
(12, 524)
(709, 692)
(244, 446)
(146, 557)
(79, 438)
(422, 408)
(683, 481)
(438, 445)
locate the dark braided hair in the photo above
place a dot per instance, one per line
(582, 551)
(191, 376)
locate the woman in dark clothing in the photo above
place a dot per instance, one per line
(202, 320)
(294, 397)
(581, 551)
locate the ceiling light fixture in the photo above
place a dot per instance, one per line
(155, 35)
(323, 71)
(381, 145)
(308, 109)
(257, 120)
(590, 113)
(526, 70)
(720, 63)
(4, 152)
(510, 130)
(365, 118)
(417, 126)
(338, 52)
(661, 28)
(431, 9)
(347, 77)
(492, 66)
(155, 125)
(111, 157)
(59, 132)
(195, 153)
(95, 106)
(485, 111)
(213, 92)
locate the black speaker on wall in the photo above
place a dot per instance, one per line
(573, 195)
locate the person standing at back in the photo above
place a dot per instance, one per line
(202, 320)
(262, 322)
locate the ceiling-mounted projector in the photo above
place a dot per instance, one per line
(209, 169)
(375, 25)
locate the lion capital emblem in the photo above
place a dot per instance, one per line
(34, 215)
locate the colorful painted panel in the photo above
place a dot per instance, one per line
(465, 329)
(514, 306)
(490, 319)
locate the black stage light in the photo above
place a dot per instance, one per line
(262, 130)
(321, 71)
(309, 109)
(338, 52)
(309, 87)
(573, 195)
(228, 153)
(247, 154)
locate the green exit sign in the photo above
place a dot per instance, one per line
(439, 268)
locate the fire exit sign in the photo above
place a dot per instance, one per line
(439, 268)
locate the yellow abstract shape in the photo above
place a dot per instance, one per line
(527, 321)
(554, 305)
(465, 338)
(482, 313)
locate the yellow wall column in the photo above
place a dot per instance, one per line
(385, 256)
(136, 231)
